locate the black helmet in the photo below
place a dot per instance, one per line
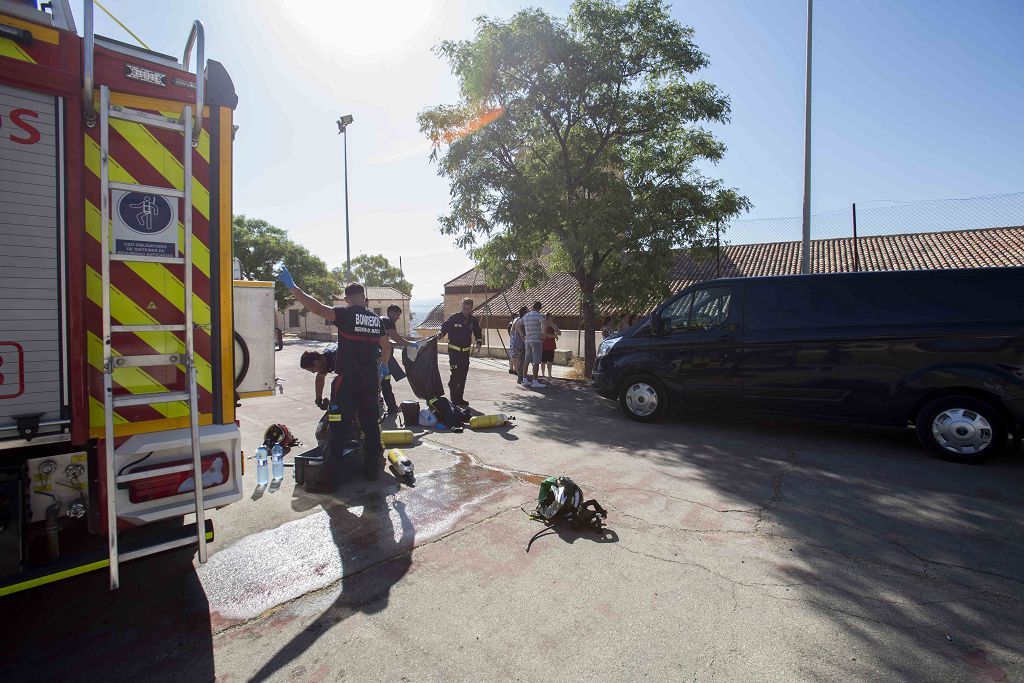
(279, 433)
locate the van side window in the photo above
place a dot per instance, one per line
(710, 308)
(676, 315)
(704, 309)
(896, 299)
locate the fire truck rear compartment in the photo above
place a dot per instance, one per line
(32, 360)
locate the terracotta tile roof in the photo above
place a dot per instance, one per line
(474, 277)
(559, 294)
(384, 293)
(434, 318)
(991, 247)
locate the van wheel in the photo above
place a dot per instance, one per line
(961, 429)
(643, 398)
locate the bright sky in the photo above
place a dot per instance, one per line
(913, 100)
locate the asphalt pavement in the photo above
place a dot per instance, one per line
(738, 548)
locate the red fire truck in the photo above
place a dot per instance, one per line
(117, 384)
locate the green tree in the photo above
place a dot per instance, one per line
(260, 247)
(581, 140)
(375, 271)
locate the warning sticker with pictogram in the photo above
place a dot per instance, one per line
(145, 224)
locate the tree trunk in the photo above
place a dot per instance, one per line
(589, 323)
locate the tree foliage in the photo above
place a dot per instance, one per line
(581, 139)
(376, 271)
(260, 247)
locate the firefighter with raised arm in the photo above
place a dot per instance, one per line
(361, 338)
(460, 330)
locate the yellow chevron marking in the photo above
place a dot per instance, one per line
(200, 252)
(204, 137)
(129, 312)
(149, 426)
(9, 48)
(168, 108)
(166, 163)
(135, 380)
(92, 162)
(97, 418)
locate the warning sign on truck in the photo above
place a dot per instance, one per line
(145, 224)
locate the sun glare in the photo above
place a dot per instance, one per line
(361, 30)
(469, 127)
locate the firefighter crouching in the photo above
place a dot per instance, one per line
(460, 328)
(320, 363)
(361, 337)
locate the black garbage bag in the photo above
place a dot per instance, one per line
(421, 369)
(396, 370)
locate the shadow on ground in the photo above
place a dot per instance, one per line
(155, 627)
(374, 537)
(875, 531)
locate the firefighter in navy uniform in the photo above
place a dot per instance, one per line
(361, 338)
(460, 329)
(394, 372)
(320, 363)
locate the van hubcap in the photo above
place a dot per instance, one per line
(641, 399)
(960, 430)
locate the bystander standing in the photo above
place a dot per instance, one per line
(517, 344)
(607, 330)
(533, 326)
(551, 333)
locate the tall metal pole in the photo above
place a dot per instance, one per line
(856, 252)
(718, 250)
(348, 248)
(805, 261)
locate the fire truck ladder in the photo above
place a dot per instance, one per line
(112, 362)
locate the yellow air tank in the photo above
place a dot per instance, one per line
(400, 464)
(484, 421)
(396, 437)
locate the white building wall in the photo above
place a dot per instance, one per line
(314, 327)
(569, 343)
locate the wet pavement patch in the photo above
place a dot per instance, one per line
(360, 526)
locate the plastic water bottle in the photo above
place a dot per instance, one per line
(262, 471)
(277, 462)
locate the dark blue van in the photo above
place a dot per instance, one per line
(941, 350)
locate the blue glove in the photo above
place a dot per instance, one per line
(285, 278)
(384, 371)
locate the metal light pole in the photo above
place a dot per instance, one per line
(805, 261)
(343, 124)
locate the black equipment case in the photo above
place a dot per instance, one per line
(309, 466)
